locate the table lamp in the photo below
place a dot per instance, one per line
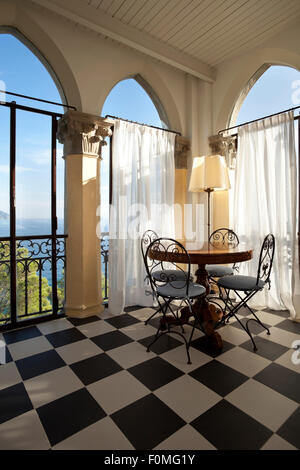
(209, 173)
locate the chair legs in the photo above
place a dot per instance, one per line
(161, 333)
(235, 308)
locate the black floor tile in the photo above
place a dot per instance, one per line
(281, 379)
(147, 422)
(38, 364)
(155, 321)
(244, 312)
(83, 321)
(133, 308)
(265, 348)
(64, 337)
(163, 344)
(289, 325)
(95, 368)
(254, 327)
(123, 320)
(14, 401)
(279, 313)
(290, 430)
(229, 428)
(70, 414)
(21, 335)
(218, 377)
(111, 340)
(203, 344)
(155, 373)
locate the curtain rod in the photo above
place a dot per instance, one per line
(260, 119)
(37, 99)
(142, 124)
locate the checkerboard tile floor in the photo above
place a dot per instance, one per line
(90, 384)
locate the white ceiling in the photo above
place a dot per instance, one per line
(198, 34)
(209, 30)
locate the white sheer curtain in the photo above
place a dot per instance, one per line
(143, 174)
(265, 201)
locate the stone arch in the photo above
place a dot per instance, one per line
(162, 100)
(16, 22)
(239, 85)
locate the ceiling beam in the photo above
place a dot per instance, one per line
(98, 21)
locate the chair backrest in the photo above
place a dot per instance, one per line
(266, 258)
(163, 255)
(224, 237)
(147, 237)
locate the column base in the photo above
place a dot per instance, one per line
(83, 311)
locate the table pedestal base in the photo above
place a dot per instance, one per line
(207, 312)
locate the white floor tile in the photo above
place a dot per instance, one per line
(268, 318)
(178, 358)
(244, 361)
(116, 391)
(265, 405)
(95, 328)
(186, 438)
(29, 347)
(286, 360)
(77, 351)
(52, 385)
(285, 338)
(277, 443)
(102, 435)
(233, 335)
(188, 397)
(130, 354)
(25, 432)
(9, 375)
(139, 331)
(54, 326)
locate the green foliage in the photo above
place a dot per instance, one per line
(23, 269)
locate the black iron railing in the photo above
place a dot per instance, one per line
(39, 290)
(104, 264)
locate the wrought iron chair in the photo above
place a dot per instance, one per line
(250, 285)
(172, 284)
(148, 237)
(221, 237)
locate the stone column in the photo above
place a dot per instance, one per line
(226, 146)
(182, 147)
(83, 136)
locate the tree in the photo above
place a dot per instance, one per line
(25, 268)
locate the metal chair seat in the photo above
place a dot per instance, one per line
(216, 270)
(246, 287)
(241, 283)
(177, 290)
(170, 285)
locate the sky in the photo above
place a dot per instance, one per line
(22, 72)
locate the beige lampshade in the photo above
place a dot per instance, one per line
(209, 172)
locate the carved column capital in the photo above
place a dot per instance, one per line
(182, 146)
(83, 133)
(224, 145)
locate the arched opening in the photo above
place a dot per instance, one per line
(32, 167)
(131, 99)
(273, 88)
(265, 179)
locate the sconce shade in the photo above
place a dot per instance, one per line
(209, 172)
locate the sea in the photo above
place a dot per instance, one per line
(30, 227)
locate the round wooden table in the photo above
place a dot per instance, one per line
(203, 254)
